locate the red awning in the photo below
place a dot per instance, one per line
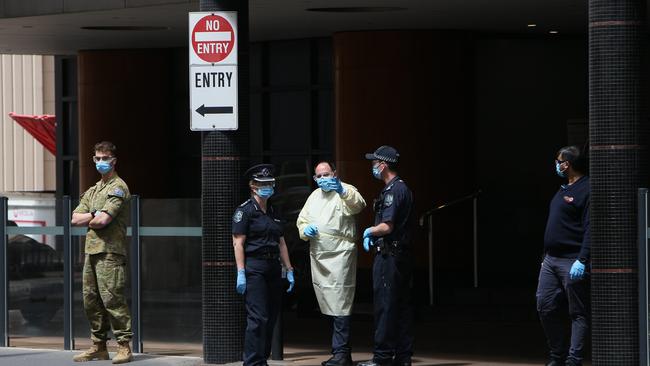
(43, 128)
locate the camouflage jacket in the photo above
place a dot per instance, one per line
(112, 197)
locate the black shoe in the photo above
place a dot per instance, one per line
(572, 363)
(555, 363)
(402, 363)
(374, 363)
(339, 359)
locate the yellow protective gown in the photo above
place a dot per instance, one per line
(333, 252)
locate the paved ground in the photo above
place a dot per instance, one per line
(44, 357)
(446, 337)
(293, 356)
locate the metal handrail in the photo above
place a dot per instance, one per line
(449, 204)
(429, 214)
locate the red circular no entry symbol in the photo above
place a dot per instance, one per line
(213, 38)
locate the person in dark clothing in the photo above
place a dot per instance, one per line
(564, 275)
(392, 269)
(260, 252)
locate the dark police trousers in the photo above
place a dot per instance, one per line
(556, 295)
(341, 334)
(391, 277)
(263, 299)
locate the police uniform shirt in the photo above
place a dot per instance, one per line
(262, 230)
(111, 197)
(395, 205)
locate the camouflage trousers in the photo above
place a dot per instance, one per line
(104, 280)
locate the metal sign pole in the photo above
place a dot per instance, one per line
(68, 277)
(4, 333)
(136, 319)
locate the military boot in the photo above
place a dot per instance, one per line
(124, 354)
(96, 352)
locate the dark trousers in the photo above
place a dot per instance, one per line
(391, 277)
(558, 295)
(341, 334)
(263, 299)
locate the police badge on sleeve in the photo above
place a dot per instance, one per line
(238, 216)
(388, 200)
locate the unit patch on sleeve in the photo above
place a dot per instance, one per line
(238, 216)
(118, 192)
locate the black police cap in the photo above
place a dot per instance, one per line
(384, 153)
(260, 173)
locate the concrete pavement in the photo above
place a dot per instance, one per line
(46, 357)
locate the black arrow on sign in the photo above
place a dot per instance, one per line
(203, 110)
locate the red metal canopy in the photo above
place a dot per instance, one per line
(43, 128)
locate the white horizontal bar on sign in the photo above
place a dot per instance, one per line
(212, 37)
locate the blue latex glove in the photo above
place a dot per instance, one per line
(367, 243)
(334, 184)
(311, 231)
(368, 240)
(291, 280)
(577, 270)
(241, 281)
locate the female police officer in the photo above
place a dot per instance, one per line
(259, 243)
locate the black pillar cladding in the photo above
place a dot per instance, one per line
(224, 159)
(618, 167)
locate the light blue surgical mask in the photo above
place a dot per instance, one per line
(265, 192)
(323, 183)
(560, 173)
(376, 172)
(103, 167)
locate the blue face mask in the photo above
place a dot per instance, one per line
(323, 183)
(103, 167)
(376, 172)
(560, 173)
(265, 192)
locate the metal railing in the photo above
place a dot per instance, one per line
(644, 301)
(428, 215)
(135, 231)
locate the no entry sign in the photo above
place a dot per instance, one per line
(213, 71)
(213, 38)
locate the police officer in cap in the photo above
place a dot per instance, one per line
(259, 247)
(393, 264)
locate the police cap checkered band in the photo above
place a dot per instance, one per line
(260, 173)
(385, 153)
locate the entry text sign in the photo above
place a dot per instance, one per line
(213, 100)
(213, 70)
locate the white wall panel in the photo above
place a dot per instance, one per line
(26, 87)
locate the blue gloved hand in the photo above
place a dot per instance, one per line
(367, 243)
(577, 270)
(311, 231)
(368, 240)
(334, 184)
(291, 280)
(241, 281)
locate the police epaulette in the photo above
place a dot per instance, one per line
(245, 203)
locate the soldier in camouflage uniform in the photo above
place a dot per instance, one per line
(104, 209)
